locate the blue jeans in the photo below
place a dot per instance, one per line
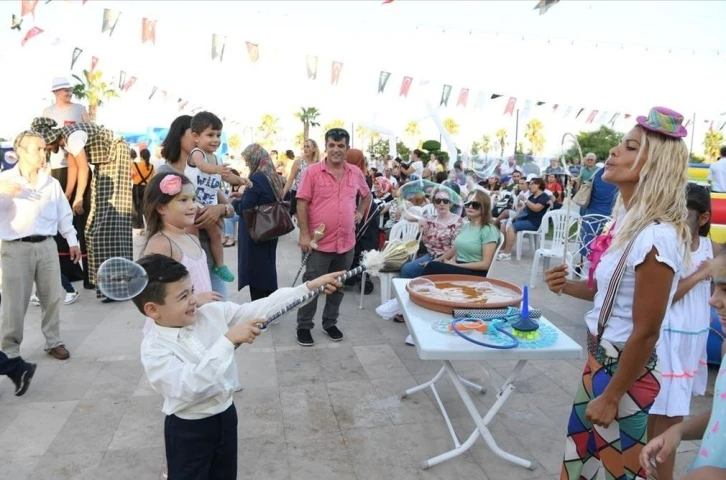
(415, 268)
(67, 285)
(230, 224)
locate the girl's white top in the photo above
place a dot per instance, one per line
(669, 251)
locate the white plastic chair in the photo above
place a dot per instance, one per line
(404, 231)
(496, 254)
(593, 225)
(561, 226)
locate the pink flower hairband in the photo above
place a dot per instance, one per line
(171, 185)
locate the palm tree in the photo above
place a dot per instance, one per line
(712, 144)
(234, 142)
(485, 143)
(94, 89)
(451, 126)
(535, 137)
(501, 135)
(308, 117)
(363, 135)
(413, 131)
(268, 128)
(337, 123)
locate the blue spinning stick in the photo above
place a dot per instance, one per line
(525, 326)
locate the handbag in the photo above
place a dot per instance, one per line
(268, 221)
(582, 197)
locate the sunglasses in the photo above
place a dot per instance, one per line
(439, 201)
(473, 205)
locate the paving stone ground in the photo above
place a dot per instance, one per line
(332, 411)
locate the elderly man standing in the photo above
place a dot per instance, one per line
(327, 195)
(33, 209)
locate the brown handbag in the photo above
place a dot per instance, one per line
(268, 221)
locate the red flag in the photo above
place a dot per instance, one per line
(335, 74)
(129, 84)
(84, 1)
(94, 62)
(555, 106)
(710, 127)
(28, 6)
(627, 116)
(148, 31)
(463, 97)
(33, 32)
(510, 106)
(405, 86)
(591, 117)
(386, 1)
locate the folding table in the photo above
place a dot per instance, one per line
(433, 345)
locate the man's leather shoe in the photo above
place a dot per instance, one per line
(60, 352)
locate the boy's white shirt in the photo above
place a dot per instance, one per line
(193, 367)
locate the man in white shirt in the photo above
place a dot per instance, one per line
(717, 173)
(33, 208)
(189, 359)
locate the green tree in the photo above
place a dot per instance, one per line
(378, 146)
(413, 131)
(402, 150)
(95, 89)
(451, 127)
(535, 137)
(598, 142)
(267, 131)
(712, 142)
(486, 143)
(309, 118)
(234, 142)
(501, 135)
(337, 123)
(475, 148)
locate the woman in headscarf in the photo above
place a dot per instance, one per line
(257, 266)
(108, 226)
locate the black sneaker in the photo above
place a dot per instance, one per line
(334, 334)
(304, 338)
(22, 381)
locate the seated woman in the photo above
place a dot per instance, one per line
(474, 246)
(437, 233)
(521, 194)
(529, 219)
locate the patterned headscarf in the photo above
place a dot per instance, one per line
(258, 160)
(384, 184)
(46, 127)
(355, 157)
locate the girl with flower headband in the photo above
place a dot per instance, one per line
(170, 209)
(635, 283)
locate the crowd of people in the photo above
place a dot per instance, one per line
(650, 266)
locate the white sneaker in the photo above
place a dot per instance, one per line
(71, 297)
(34, 300)
(409, 341)
(504, 256)
(389, 309)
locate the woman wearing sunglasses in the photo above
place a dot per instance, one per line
(474, 246)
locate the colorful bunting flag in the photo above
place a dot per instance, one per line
(445, 94)
(627, 116)
(94, 62)
(110, 20)
(129, 84)
(495, 96)
(591, 117)
(579, 113)
(148, 31)
(76, 53)
(539, 104)
(554, 107)
(16, 23)
(612, 120)
(253, 50)
(383, 80)
(153, 92)
(463, 98)
(386, 2)
(527, 110)
(218, 44)
(603, 116)
(481, 100)
(121, 80)
(336, 68)
(510, 105)
(545, 5)
(28, 7)
(312, 64)
(33, 32)
(405, 86)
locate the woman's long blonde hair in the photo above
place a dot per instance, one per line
(660, 192)
(316, 150)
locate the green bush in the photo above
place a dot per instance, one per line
(431, 146)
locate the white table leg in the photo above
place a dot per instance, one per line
(481, 423)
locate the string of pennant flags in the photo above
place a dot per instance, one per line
(111, 18)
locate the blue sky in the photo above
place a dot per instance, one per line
(557, 61)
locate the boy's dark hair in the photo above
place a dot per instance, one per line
(290, 154)
(698, 199)
(418, 153)
(160, 270)
(441, 177)
(337, 134)
(203, 120)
